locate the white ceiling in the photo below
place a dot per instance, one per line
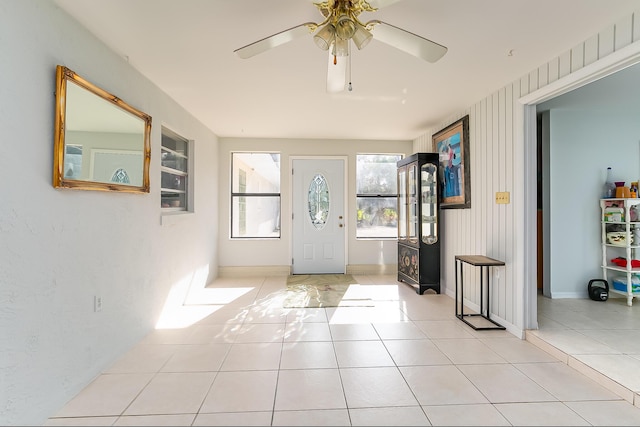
(186, 48)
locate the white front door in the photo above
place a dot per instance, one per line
(318, 216)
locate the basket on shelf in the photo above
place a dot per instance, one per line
(618, 238)
(620, 284)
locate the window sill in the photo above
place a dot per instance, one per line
(171, 218)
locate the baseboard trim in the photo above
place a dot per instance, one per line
(285, 270)
(254, 270)
(372, 269)
(567, 295)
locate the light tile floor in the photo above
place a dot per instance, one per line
(602, 339)
(405, 360)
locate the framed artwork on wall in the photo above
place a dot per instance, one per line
(452, 146)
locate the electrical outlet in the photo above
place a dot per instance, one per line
(97, 303)
(503, 198)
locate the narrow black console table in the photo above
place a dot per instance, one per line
(484, 263)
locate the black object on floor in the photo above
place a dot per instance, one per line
(598, 289)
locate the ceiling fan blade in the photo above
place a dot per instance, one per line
(410, 43)
(336, 74)
(274, 40)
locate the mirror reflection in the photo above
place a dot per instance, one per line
(101, 142)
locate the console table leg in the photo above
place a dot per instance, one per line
(456, 271)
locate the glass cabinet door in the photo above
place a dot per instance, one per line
(429, 199)
(402, 203)
(412, 202)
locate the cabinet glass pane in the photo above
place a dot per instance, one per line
(429, 198)
(318, 201)
(402, 203)
(413, 202)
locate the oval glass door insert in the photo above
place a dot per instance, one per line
(318, 201)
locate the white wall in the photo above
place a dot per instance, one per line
(58, 247)
(276, 253)
(487, 228)
(503, 158)
(583, 144)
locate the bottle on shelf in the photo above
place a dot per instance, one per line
(609, 188)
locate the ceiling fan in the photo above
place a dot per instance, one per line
(340, 26)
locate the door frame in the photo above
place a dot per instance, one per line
(616, 61)
(347, 209)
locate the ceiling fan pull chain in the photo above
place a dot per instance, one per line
(350, 87)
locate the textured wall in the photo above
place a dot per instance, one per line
(60, 248)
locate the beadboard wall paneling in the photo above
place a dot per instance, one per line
(543, 75)
(591, 50)
(606, 42)
(577, 58)
(554, 69)
(499, 161)
(623, 33)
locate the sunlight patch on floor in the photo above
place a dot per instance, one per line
(190, 301)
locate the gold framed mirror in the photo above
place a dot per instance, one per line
(101, 142)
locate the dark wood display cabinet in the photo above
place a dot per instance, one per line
(418, 222)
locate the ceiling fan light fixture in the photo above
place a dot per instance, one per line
(345, 27)
(362, 36)
(340, 47)
(325, 36)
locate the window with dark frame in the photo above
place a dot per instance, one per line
(255, 195)
(377, 196)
